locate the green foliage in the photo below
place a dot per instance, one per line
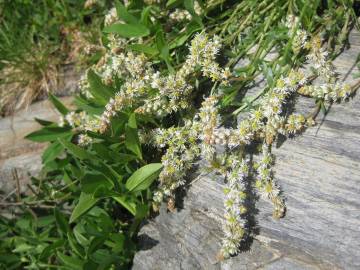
(89, 205)
(91, 198)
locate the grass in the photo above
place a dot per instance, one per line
(37, 38)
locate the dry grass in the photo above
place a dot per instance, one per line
(28, 80)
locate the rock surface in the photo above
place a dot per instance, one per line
(319, 173)
(19, 153)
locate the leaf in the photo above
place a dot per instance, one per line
(77, 151)
(61, 221)
(189, 6)
(44, 122)
(92, 181)
(172, 3)
(95, 244)
(151, 51)
(191, 28)
(143, 177)
(58, 105)
(76, 248)
(22, 248)
(72, 262)
(52, 151)
(124, 14)
(78, 233)
(146, 16)
(68, 181)
(45, 254)
(84, 104)
(101, 92)
(132, 141)
(86, 201)
(124, 201)
(268, 74)
(127, 30)
(47, 134)
(142, 211)
(163, 48)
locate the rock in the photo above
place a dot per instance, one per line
(19, 153)
(319, 173)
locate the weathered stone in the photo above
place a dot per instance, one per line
(319, 173)
(17, 153)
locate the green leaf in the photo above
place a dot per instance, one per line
(95, 244)
(142, 211)
(101, 92)
(47, 134)
(143, 177)
(77, 151)
(52, 151)
(127, 30)
(163, 48)
(58, 105)
(44, 122)
(79, 234)
(124, 14)
(268, 74)
(151, 51)
(189, 6)
(76, 248)
(46, 253)
(68, 181)
(132, 141)
(92, 181)
(146, 16)
(72, 262)
(172, 3)
(128, 204)
(86, 201)
(22, 248)
(85, 105)
(61, 221)
(191, 28)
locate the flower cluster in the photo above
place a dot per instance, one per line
(111, 17)
(318, 55)
(318, 58)
(234, 226)
(266, 183)
(152, 93)
(179, 15)
(182, 151)
(299, 35)
(74, 119)
(295, 123)
(330, 92)
(272, 104)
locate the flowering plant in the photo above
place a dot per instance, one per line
(169, 91)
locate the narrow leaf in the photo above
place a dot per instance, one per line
(58, 105)
(47, 134)
(72, 262)
(123, 13)
(127, 30)
(52, 151)
(86, 201)
(130, 206)
(143, 177)
(101, 92)
(61, 221)
(76, 150)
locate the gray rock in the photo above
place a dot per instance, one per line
(319, 173)
(17, 153)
